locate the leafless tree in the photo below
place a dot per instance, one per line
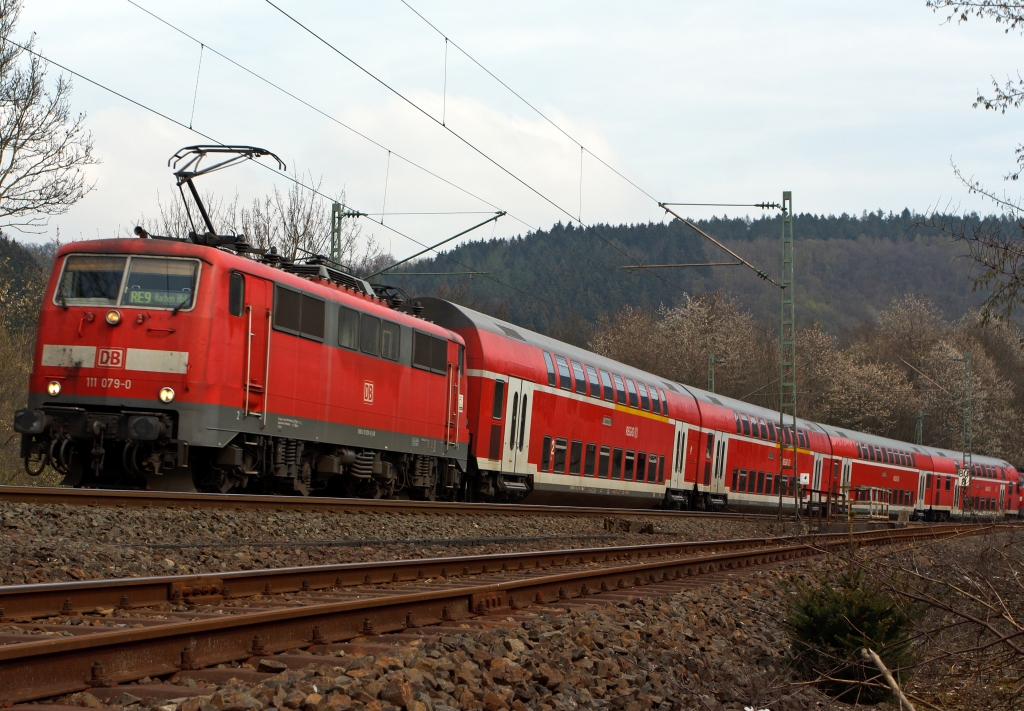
(44, 148)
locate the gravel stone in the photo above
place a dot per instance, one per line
(54, 543)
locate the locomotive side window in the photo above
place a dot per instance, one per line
(499, 402)
(602, 467)
(617, 463)
(564, 379)
(429, 353)
(575, 455)
(287, 310)
(90, 280)
(298, 313)
(620, 390)
(551, 368)
(606, 382)
(348, 328)
(236, 294)
(560, 445)
(632, 393)
(369, 334)
(595, 384)
(645, 403)
(588, 462)
(390, 340)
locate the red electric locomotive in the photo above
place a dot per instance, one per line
(171, 364)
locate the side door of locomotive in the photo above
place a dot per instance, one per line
(518, 418)
(258, 299)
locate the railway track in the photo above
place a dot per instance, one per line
(66, 637)
(158, 499)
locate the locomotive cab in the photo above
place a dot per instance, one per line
(112, 364)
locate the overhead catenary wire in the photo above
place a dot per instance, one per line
(293, 179)
(324, 114)
(469, 144)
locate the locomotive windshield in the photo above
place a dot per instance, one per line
(150, 282)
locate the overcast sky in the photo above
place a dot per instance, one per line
(852, 106)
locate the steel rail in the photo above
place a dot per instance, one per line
(37, 669)
(162, 499)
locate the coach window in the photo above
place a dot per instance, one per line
(588, 461)
(768, 483)
(390, 335)
(559, 464)
(620, 390)
(652, 463)
(236, 294)
(771, 431)
(949, 479)
(664, 403)
(746, 425)
(617, 463)
(627, 475)
(348, 328)
(645, 403)
(743, 481)
(551, 368)
(606, 383)
(739, 427)
(661, 469)
(641, 466)
(564, 379)
(735, 478)
(760, 482)
(580, 377)
(764, 429)
(632, 393)
(545, 455)
(575, 455)
(602, 467)
(655, 403)
(595, 383)
(499, 400)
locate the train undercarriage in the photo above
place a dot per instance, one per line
(128, 449)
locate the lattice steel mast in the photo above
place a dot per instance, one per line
(787, 355)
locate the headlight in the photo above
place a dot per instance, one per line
(166, 395)
(113, 317)
(53, 388)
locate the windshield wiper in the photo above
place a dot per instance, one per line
(186, 302)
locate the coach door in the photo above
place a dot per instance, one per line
(718, 465)
(678, 457)
(518, 416)
(258, 299)
(816, 481)
(922, 479)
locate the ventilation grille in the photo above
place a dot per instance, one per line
(716, 401)
(510, 333)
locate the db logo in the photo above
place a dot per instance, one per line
(110, 358)
(368, 392)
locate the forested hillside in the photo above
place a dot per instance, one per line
(847, 270)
